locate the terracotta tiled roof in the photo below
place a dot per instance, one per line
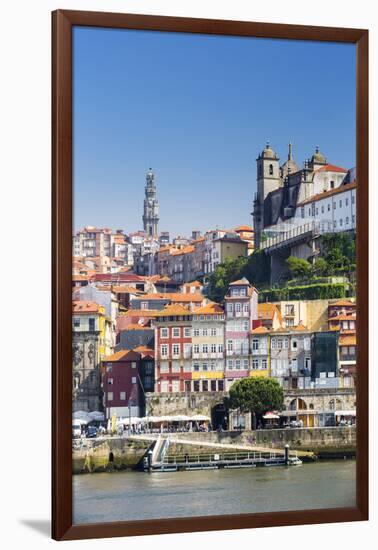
(259, 330)
(196, 284)
(173, 309)
(209, 309)
(187, 298)
(331, 168)
(243, 228)
(121, 355)
(145, 351)
(242, 281)
(342, 303)
(348, 340)
(267, 310)
(330, 193)
(84, 306)
(343, 317)
(141, 313)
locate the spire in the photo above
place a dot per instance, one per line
(290, 155)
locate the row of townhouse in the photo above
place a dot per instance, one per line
(197, 257)
(208, 349)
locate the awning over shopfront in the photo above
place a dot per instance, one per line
(345, 413)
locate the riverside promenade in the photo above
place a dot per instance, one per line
(109, 453)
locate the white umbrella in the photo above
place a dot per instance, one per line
(270, 415)
(200, 418)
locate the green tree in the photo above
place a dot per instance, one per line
(257, 395)
(299, 268)
(321, 267)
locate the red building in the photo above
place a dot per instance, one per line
(122, 386)
(173, 343)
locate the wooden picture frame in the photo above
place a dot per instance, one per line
(62, 25)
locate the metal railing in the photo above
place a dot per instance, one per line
(255, 456)
(310, 227)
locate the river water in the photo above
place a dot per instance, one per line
(122, 496)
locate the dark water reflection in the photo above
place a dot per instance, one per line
(137, 495)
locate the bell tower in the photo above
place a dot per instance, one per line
(268, 180)
(150, 206)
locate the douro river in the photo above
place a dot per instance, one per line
(122, 496)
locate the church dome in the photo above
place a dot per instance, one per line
(268, 152)
(318, 157)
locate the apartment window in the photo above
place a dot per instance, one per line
(353, 218)
(286, 343)
(196, 367)
(205, 348)
(230, 364)
(294, 365)
(341, 222)
(133, 379)
(229, 308)
(164, 386)
(237, 364)
(176, 385)
(187, 385)
(238, 307)
(274, 343)
(110, 396)
(243, 292)
(309, 211)
(334, 206)
(122, 395)
(76, 322)
(205, 385)
(196, 385)
(302, 212)
(352, 350)
(176, 332)
(271, 169)
(175, 350)
(213, 385)
(347, 220)
(220, 348)
(307, 343)
(264, 364)
(187, 332)
(109, 367)
(110, 381)
(196, 348)
(164, 367)
(255, 344)
(353, 199)
(334, 223)
(323, 209)
(164, 333)
(246, 308)
(196, 332)
(164, 350)
(187, 348)
(220, 385)
(144, 305)
(92, 323)
(308, 363)
(294, 344)
(316, 211)
(230, 345)
(175, 366)
(289, 309)
(329, 207)
(133, 364)
(245, 325)
(204, 332)
(245, 364)
(235, 292)
(213, 348)
(344, 350)
(346, 201)
(279, 343)
(213, 332)
(255, 364)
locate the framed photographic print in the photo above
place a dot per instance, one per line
(210, 249)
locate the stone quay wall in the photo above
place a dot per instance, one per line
(333, 441)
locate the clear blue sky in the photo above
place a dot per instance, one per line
(198, 109)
